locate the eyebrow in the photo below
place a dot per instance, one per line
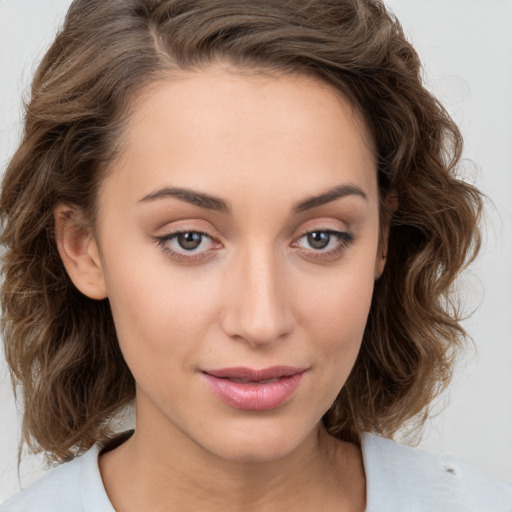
(330, 195)
(200, 199)
(209, 202)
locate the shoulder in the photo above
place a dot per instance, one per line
(75, 485)
(413, 480)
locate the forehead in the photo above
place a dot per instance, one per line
(222, 130)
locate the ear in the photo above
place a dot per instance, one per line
(79, 252)
(382, 251)
(388, 208)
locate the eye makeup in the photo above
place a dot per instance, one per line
(192, 245)
(185, 245)
(326, 244)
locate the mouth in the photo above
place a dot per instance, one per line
(254, 389)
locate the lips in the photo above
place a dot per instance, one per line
(254, 389)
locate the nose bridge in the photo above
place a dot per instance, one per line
(259, 309)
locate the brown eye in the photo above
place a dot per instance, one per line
(319, 239)
(188, 246)
(326, 244)
(189, 241)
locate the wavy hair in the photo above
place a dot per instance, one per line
(61, 346)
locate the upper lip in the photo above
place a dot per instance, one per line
(254, 375)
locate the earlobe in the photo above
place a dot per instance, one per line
(79, 252)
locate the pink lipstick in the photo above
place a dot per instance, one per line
(254, 390)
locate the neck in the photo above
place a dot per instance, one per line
(153, 469)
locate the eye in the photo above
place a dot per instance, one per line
(318, 239)
(324, 242)
(186, 245)
(190, 240)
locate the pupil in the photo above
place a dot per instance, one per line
(189, 241)
(319, 239)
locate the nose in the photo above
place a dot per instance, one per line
(258, 307)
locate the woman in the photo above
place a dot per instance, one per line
(244, 216)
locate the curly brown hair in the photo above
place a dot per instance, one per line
(61, 346)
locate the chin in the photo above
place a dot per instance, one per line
(255, 453)
(258, 444)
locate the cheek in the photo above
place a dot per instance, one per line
(159, 312)
(166, 312)
(335, 317)
(342, 304)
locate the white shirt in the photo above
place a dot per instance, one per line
(398, 479)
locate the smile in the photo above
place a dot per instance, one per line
(254, 390)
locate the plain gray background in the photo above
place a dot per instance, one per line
(466, 46)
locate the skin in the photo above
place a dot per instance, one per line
(254, 293)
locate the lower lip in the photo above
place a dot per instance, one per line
(254, 396)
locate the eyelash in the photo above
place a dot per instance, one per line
(163, 244)
(345, 239)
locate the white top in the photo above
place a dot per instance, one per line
(398, 479)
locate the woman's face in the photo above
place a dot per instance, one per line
(238, 241)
